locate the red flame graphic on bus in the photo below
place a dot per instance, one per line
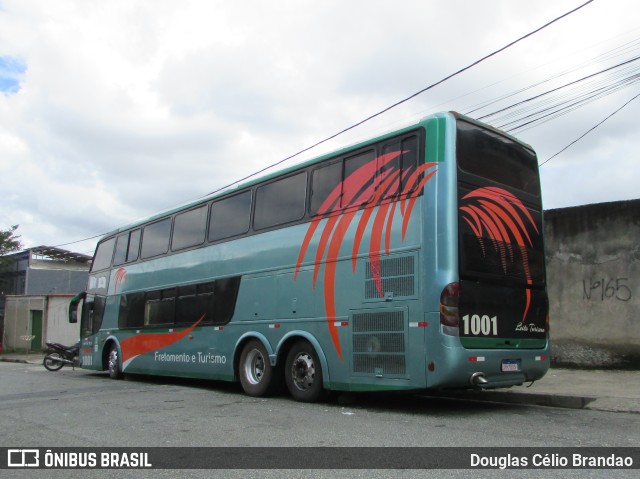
(500, 215)
(372, 185)
(139, 344)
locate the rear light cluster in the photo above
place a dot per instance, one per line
(547, 323)
(449, 313)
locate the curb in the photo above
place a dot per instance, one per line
(14, 360)
(536, 399)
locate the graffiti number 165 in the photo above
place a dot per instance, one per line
(602, 288)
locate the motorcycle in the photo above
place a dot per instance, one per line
(58, 355)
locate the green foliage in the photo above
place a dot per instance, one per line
(9, 243)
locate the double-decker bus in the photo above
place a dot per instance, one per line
(414, 260)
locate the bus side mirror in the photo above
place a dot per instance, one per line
(73, 307)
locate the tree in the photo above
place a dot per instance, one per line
(9, 243)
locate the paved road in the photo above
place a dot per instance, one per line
(82, 408)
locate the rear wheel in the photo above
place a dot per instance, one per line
(113, 363)
(53, 362)
(303, 373)
(257, 376)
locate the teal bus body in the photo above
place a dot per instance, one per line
(359, 288)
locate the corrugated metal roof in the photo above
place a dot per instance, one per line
(53, 253)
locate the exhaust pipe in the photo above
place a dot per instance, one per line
(478, 379)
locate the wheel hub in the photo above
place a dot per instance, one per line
(254, 367)
(303, 371)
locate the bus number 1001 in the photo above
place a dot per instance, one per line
(477, 325)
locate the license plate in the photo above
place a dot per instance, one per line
(510, 365)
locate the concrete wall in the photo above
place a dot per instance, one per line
(55, 324)
(593, 273)
(56, 281)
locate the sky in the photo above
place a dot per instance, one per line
(113, 111)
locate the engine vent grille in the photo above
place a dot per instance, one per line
(379, 343)
(397, 277)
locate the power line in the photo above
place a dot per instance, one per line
(592, 75)
(588, 131)
(79, 241)
(410, 97)
(618, 51)
(381, 112)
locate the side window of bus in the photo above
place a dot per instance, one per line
(155, 239)
(226, 294)
(122, 244)
(230, 216)
(134, 245)
(127, 246)
(194, 302)
(182, 306)
(189, 228)
(281, 201)
(399, 160)
(104, 253)
(390, 168)
(326, 188)
(359, 178)
(410, 161)
(159, 307)
(131, 310)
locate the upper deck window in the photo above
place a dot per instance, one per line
(189, 228)
(155, 239)
(230, 216)
(280, 201)
(104, 253)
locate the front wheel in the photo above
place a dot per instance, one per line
(53, 362)
(257, 376)
(113, 363)
(303, 373)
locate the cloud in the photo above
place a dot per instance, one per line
(117, 110)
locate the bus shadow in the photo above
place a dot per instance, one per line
(420, 403)
(208, 384)
(383, 402)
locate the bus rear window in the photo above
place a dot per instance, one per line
(486, 154)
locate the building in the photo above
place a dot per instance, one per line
(31, 280)
(32, 320)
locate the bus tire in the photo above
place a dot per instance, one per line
(114, 365)
(303, 373)
(257, 377)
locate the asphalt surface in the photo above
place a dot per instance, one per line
(602, 390)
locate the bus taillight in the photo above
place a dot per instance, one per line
(547, 323)
(449, 317)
